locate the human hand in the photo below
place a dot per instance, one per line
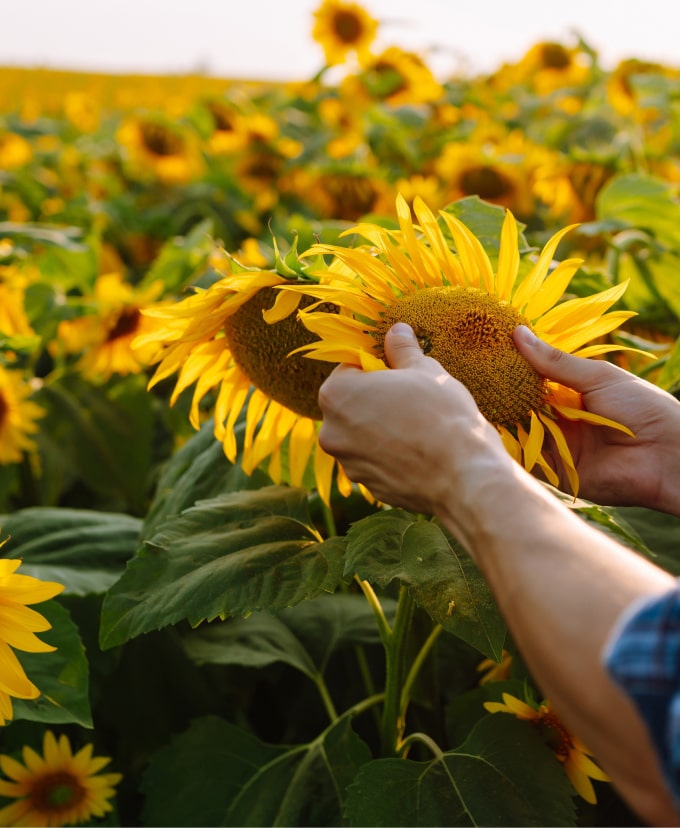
(412, 435)
(613, 468)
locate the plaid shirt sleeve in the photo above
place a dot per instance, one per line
(643, 657)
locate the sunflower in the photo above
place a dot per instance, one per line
(493, 670)
(463, 312)
(397, 77)
(18, 625)
(569, 750)
(58, 788)
(342, 27)
(18, 417)
(234, 337)
(153, 148)
(104, 338)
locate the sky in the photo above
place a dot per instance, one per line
(271, 39)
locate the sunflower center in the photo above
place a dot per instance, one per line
(557, 735)
(486, 182)
(470, 333)
(55, 792)
(159, 140)
(347, 27)
(555, 56)
(261, 351)
(4, 408)
(126, 324)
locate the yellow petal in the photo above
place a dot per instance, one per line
(508, 258)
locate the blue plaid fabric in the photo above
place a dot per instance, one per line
(643, 657)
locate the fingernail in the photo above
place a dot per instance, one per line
(402, 329)
(526, 335)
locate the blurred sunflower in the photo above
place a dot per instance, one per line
(395, 77)
(341, 28)
(18, 415)
(235, 337)
(58, 788)
(13, 318)
(463, 313)
(153, 148)
(576, 758)
(104, 338)
(546, 67)
(626, 83)
(15, 151)
(18, 625)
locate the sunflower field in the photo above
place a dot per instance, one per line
(203, 621)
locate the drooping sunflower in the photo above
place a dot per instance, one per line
(18, 625)
(234, 338)
(568, 749)
(463, 311)
(58, 788)
(18, 416)
(342, 27)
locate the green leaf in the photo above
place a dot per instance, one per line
(231, 555)
(502, 775)
(217, 774)
(659, 533)
(669, 375)
(441, 576)
(198, 471)
(483, 219)
(259, 640)
(641, 201)
(83, 549)
(304, 636)
(106, 433)
(61, 676)
(182, 258)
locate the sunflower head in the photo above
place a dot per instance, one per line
(233, 342)
(570, 751)
(341, 28)
(463, 306)
(57, 788)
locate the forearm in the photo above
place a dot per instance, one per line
(548, 569)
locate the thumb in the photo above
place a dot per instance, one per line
(401, 346)
(576, 372)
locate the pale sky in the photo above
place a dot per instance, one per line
(270, 39)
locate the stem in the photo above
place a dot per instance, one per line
(392, 720)
(329, 520)
(424, 739)
(376, 606)
(326, 697)
(416, 667)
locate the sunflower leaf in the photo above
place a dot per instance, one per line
(216, 774)
(83, 549)
(441, 576)
(61, 676)
(231, 555)
(502, 775)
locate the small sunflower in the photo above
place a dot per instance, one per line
(104, 338)
(492, 670)
(234, 337)
(153, 149)
(18, 415)
(576, 758)
(341, 28)
(463, 312)
(396, 77)
(58, 788)
(18, 625)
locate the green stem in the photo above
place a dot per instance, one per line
(416, 667)
(393, 723)
(424, 739)
(326, 697)
(329, 520)
(376, 606)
